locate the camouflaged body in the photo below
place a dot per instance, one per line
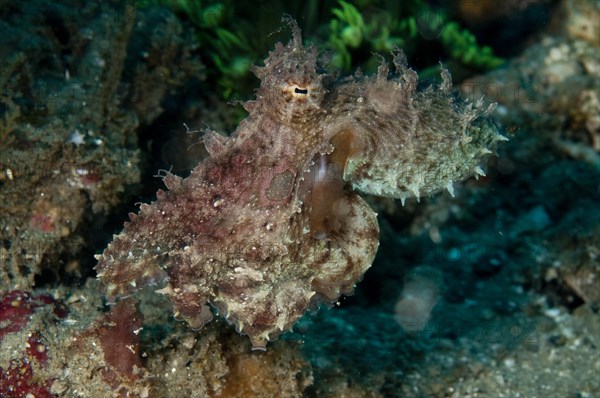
(271, 223)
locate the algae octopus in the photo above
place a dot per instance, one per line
(271, 224)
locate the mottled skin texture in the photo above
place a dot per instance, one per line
(271, 223)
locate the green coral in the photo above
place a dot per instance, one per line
(227, 48)
(462, 46)
(350, 32)
(233, 35)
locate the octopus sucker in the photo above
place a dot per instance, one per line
(272, 222)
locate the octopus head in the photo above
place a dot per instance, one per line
(291, 82)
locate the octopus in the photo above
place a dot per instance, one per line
(271, 224)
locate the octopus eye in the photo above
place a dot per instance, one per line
(300, 91)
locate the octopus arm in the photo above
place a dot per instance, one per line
(405, 142)
(130, 262)
(137, 257)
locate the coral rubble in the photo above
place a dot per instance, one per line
(76, 83)
(270, 224)
(21, 376)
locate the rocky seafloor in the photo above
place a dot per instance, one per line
(507, 271)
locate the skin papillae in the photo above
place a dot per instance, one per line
(271, 224)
